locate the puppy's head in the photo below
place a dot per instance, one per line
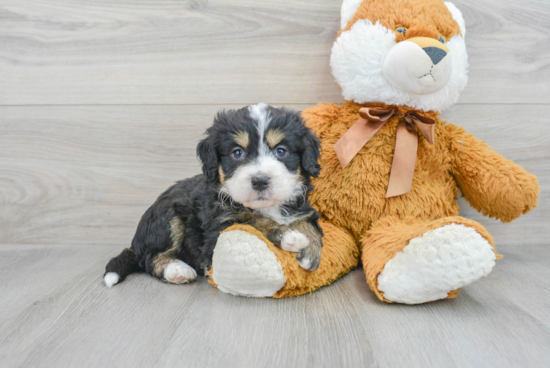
(261, 156)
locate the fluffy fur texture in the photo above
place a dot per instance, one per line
(354, 198)
(389, 236)
(338, 259)
(429, 18)
(349, 8)
(371, 63)
(427, 250)
(252, 268)
(257, 165)
(440, 260)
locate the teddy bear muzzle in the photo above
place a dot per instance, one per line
(419, 65)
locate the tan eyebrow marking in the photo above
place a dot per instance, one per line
(274, 137)
(241, 138)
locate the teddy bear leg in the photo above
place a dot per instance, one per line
(246, 263)
(412, 262)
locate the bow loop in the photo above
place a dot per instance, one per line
(380, 114)
(425, 124)
(371, 120)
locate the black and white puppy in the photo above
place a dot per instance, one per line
(257, 164)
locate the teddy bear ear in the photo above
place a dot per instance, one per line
(457, 16)
(349, 8)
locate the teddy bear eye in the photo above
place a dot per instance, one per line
(401, 30)
(441, 39)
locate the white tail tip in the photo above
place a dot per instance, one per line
(111, 278)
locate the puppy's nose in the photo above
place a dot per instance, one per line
(260, 183)
(436, 54)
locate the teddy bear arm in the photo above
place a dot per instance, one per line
(492, 184)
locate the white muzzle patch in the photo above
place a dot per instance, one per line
(282, 185)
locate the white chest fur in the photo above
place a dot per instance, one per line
(276, 213)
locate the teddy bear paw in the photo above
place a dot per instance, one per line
(436, 263)
(244, 265)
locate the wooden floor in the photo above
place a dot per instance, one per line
(56, 312)
(102, 104)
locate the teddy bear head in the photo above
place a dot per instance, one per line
(401, 52)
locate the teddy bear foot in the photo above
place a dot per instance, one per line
(244, 265)
(436, 263)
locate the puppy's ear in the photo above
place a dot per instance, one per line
(311, 153)
(209, 158)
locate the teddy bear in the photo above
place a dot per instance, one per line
(391, 168)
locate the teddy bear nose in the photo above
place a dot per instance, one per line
(260, 183)
(435, 53)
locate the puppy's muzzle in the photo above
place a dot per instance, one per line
(260, 183)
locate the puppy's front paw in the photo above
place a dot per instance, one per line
(294, 241)
(179, 272)
(309, 258)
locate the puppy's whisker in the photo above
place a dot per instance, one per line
(224, 197)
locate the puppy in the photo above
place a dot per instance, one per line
(257, 164)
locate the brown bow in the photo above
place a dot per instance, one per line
(406, 143)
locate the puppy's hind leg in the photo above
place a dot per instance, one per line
(165, 265)
(179, 272)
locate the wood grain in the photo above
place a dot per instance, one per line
(85, 174)
(101, 106)
(234, 51)
(57, 313)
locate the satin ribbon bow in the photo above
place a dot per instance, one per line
(406, 143)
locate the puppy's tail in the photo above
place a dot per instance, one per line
(121, 266)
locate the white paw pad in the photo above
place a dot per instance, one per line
(436, 263)
(111, 278)
(179, 272)
(294, 241)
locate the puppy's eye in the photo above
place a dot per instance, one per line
(401, 30)
(280, 152)
(237, 153)
(441, 39)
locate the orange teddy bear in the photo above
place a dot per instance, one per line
(391, 169)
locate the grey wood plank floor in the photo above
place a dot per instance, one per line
(57, 313)
(101, 106)
(234, 51)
